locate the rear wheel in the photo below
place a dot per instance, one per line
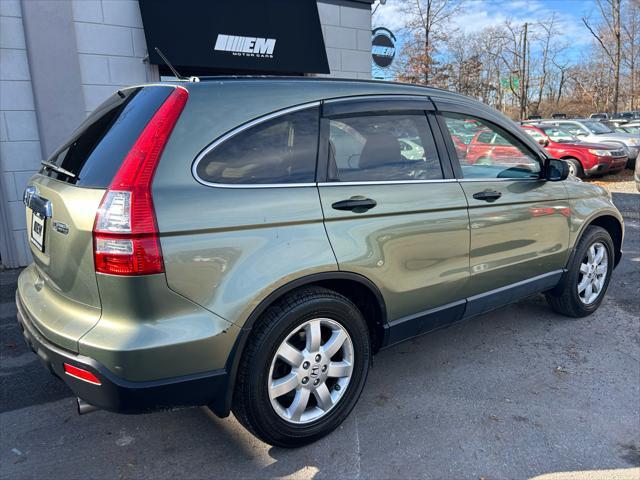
(585, 283)
(575, 167)
(303, 369)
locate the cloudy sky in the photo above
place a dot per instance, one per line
(478, 14)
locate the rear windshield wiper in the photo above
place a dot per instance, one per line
(58, 169)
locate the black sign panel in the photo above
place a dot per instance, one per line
(240, 36)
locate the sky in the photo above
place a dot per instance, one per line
(478, 14)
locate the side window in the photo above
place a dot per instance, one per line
(373, 148)
(573, 128)
(537, 136)
(281, 150)
(502, 156)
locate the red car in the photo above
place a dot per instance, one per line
(488, 147)
(584, 159)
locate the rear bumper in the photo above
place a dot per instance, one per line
(124, 396)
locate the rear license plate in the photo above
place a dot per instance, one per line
(37, 231)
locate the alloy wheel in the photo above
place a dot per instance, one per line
(593, 273)
(310, 371)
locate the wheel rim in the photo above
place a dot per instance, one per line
(310, 371)
(572, 169)
(593, 273)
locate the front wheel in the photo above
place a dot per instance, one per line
(584, 285)
(575, 167)
(303, 369)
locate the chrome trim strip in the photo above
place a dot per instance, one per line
(462, 180)
(242, 128)
(521, 283)
(384, 182)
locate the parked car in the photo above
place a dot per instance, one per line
(190, 252)
(599, 116)
(558, 115)
(489, 147)
(627, 116)
(584, 159)
(632, 127)
(597, 132)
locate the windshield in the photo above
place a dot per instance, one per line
(597, 127)
(560, 135)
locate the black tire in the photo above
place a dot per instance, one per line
(576, 166)
(251, 403)
(564, 298)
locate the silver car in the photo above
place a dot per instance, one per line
(597, 132)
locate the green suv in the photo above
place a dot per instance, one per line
(249, 244)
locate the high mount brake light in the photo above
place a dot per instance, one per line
(125, 231)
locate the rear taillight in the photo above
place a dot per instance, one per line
(125, 231)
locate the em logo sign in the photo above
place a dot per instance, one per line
(246, 46)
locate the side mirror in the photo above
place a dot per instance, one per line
(544, 142)
(557, 170)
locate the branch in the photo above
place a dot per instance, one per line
(599, 40)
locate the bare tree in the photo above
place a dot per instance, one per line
(609, 32)
(631, 49)
(549, 51)
(428, 24)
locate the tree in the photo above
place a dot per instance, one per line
(631, 50)
(428, 24)
(607, 34)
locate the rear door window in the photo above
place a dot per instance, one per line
(373, 148)
(98, 147)
(278, 151)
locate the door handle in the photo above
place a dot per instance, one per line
(355, 204)
(487, 195)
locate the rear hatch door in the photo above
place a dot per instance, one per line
(60, 290)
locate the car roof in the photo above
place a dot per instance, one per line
(339, 85)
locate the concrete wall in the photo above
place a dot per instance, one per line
(20, 152)
(347, 38)
(111, 47)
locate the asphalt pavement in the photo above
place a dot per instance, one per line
(515, 393)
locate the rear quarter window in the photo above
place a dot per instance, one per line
(282, 150)
(97, 148)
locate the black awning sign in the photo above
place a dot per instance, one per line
(235, 37)
(383, 47)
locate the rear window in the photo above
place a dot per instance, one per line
(278, 151)
(98, 147)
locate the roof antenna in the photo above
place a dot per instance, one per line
(175, 72)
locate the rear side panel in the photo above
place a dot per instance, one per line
(228, 248)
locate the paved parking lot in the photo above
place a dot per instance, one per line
(515, 393)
